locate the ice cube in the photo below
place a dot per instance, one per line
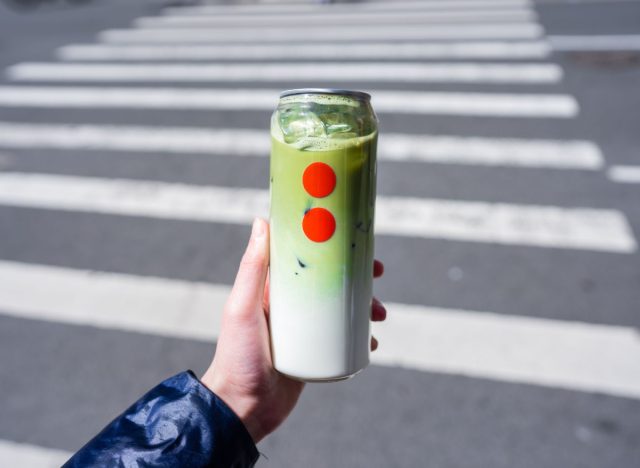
(337, 123)
(297, 124)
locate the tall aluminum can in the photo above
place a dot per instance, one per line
(323, 184)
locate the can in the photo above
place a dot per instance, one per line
(323, 185)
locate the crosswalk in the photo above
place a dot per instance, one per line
(14, 454)
(308, 7)
(558, 106)
(503, 50)
(422, 17)
(542, 226)
(576, 154)
(361, 72)
(625, 174)
(320, 33)
(516, 349)
(217, 59)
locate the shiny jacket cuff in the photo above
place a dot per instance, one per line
(179, 423)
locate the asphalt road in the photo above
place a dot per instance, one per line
(549, 252)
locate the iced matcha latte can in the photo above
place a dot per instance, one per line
(323, 183)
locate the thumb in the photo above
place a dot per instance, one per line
(248, 289)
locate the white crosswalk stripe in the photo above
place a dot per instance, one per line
(404, 102)
(30, 456)
(280, 72)
(541, 226)
(391, 146)
(513, 349)
(371, 50)
(625, 174)
(449, 5)
(315, 34)
(349, 17)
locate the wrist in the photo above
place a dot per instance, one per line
(243, 409)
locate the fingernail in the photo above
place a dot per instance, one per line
(258, 229)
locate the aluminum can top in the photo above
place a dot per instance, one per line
(323, 118)
(340, 92)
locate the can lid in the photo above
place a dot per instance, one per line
(340, 92)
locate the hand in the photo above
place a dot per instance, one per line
(242, 372)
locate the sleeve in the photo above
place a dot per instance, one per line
(179, 423)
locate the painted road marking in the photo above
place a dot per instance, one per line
(392, 146)
(405, 102)
(106, 300)
(540, 226)
(625, 174)
(575, 356)
(13, 454)
(488, 151)
(279, 72)
(386, 50)
(315, 34)
(341, 17)
(595, 43)
(552, 353)
(340, 8)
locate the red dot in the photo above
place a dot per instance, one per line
(318, 224)
(319, 180)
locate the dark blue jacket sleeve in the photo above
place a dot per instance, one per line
(179, 423)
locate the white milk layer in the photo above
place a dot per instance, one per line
(316, 336)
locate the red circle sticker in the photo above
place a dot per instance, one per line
(318, 224)
(319, 180)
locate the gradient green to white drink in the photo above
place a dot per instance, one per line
(323, 176)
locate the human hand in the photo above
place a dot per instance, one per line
(242, 372)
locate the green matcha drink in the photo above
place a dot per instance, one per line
(323, 172)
